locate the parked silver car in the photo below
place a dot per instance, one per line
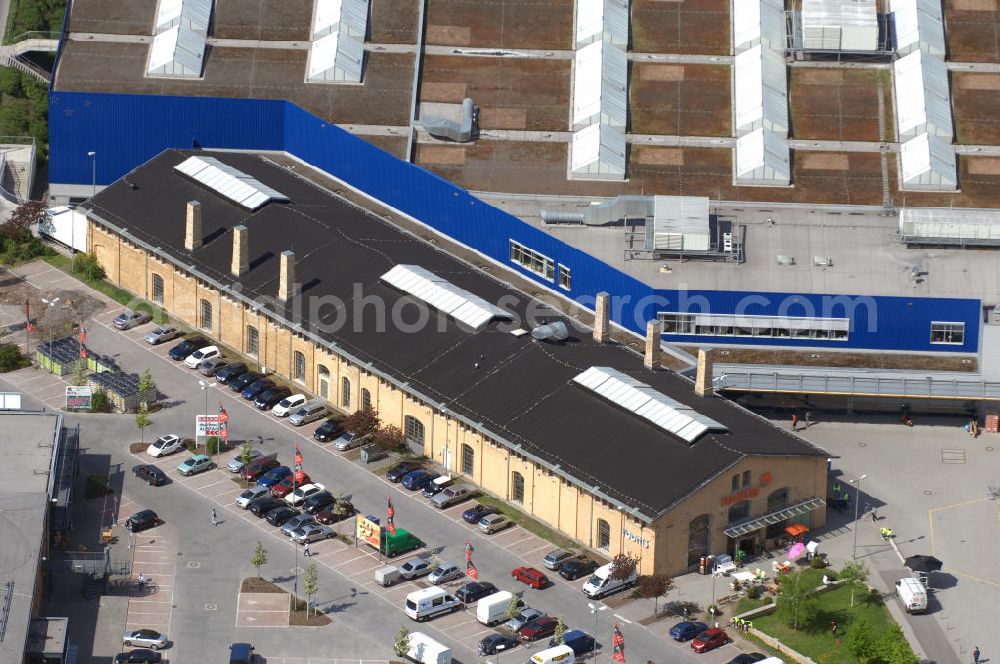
(236, 464)
(416, 568)
(130, 319)
(445, 573)
(347, 442)
(312, 533)
(145, 638)
(254, 492)
(452, 496)
(288, 527)
(212, 366)
(554, 559)
(492, 523)
(307, 413)
(161, 334)
(526, 615)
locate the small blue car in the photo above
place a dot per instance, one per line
(273, 476)
(685, 631)
(418, 479)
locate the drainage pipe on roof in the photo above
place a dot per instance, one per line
(619, 209)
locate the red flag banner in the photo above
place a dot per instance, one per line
(299, 476)
(618, 643)
(468, 551)
(390, 514)
(83, 335)
(298, 458)
(83, 352)
(223, 427)
(27, 315)
(223, 415)
(471, 571)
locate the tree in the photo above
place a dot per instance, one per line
(10, 358)
(259, 557)
(861, 642)
(796, 601)
(21, 219)
(362, 422)
(80, 375)
(401, 644)
(560, 634)
(623, 566)
(853, 574)
(390, 438)
(893, 648)
(513, 608)
(142, 420)
(147, 386)
(310, 584)
(655, 586)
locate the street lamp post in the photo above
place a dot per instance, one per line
(595, 610)
(205, 386)
(93, 173)
(500, 647)
(711, 570)
(48, 324)
(857, 501)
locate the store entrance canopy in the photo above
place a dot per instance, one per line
(757, 523)
(796, 530)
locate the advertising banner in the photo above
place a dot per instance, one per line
(79, 397)
(369, 531)
(207, 425)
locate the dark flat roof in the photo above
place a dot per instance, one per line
(521, 389)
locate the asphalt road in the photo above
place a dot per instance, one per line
(365, 620)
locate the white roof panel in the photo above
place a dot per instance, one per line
(600, 85)
(919, 24)
(348, 17)
(597, 19)
(336, 58)
(923, 96)
(193, 14)
(177, 52)
(460, 304)
(952, 223)
(646, 402)
(763, 158)
(757, 21)
(598, 150)
(229, 182)
(927, 162)
(761, 90)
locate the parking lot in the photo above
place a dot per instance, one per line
(205, 603)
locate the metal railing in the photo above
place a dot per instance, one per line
(33, 34)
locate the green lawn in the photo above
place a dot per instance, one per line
(526, 522)
(816, 640)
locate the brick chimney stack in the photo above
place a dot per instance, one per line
(286, 281)
(703, 379)
(602, 325)
(192, 227)
(241, 251)
(653, 350)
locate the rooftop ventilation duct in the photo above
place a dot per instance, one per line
(450, 130)
(556, 331)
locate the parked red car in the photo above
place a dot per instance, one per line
(538, 628)
(287, 485)
(710, 639)
(530, 576)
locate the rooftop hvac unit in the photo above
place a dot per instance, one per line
(781, 259)
(822, 261)
(556, 331)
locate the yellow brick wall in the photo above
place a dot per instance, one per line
(565, 507)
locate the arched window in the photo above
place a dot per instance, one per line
(517, 487)
(206, 316)
(253, 341)
(157, 289)
(324, 380)
(777, 500)
(299, 366)
(414, 429)
(698, 538)
(345, 393)
(468, 459)
(739, 511)
(366, 400)
(603, 534)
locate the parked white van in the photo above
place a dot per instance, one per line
(558, 655)
(600, 584)
(429, 602)
(492, 609)
(772, 660)
(425, 650)
(912, 594)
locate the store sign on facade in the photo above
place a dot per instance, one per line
(632, 537)
(749, 492)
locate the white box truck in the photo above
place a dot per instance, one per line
(425, 650)
(912, 594)
(600, 584)
(492, 609)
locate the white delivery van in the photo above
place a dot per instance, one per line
(772, 660)
(492, 609)
(912, 594)
(425, 650)
(600, 584)
(558, 655)
(429, 602)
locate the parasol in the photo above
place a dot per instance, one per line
(796, 550)
(925, 564)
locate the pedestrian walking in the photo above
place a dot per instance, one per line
(795, 421)
(215, 518)
(836, 489)
(833, 627)
(808, 419)
(142, 582)
(975, 655)
(874, 516)
(305, 551)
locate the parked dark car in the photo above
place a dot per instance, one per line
(268, 399)
(328, 431)
(142, 520)
(538, 628)
(261, 506)
(475, 591)
(687, 630)
(578, 640)
(572, 570)
(260, 466)
(396, 473)
(273, 476)
(436, 486)
(139, 656)
(328, 516)
(279, 515)
(231, 371)
(239, 383)
(474, 514)
(186, 347)
(496, 641)
(418, 479)
(151, 475)
(256, 388)
(747, 658)
(318, 502)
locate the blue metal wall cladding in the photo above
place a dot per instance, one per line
(127, 130)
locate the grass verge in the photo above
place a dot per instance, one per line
(119, 295)
(528, 523)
